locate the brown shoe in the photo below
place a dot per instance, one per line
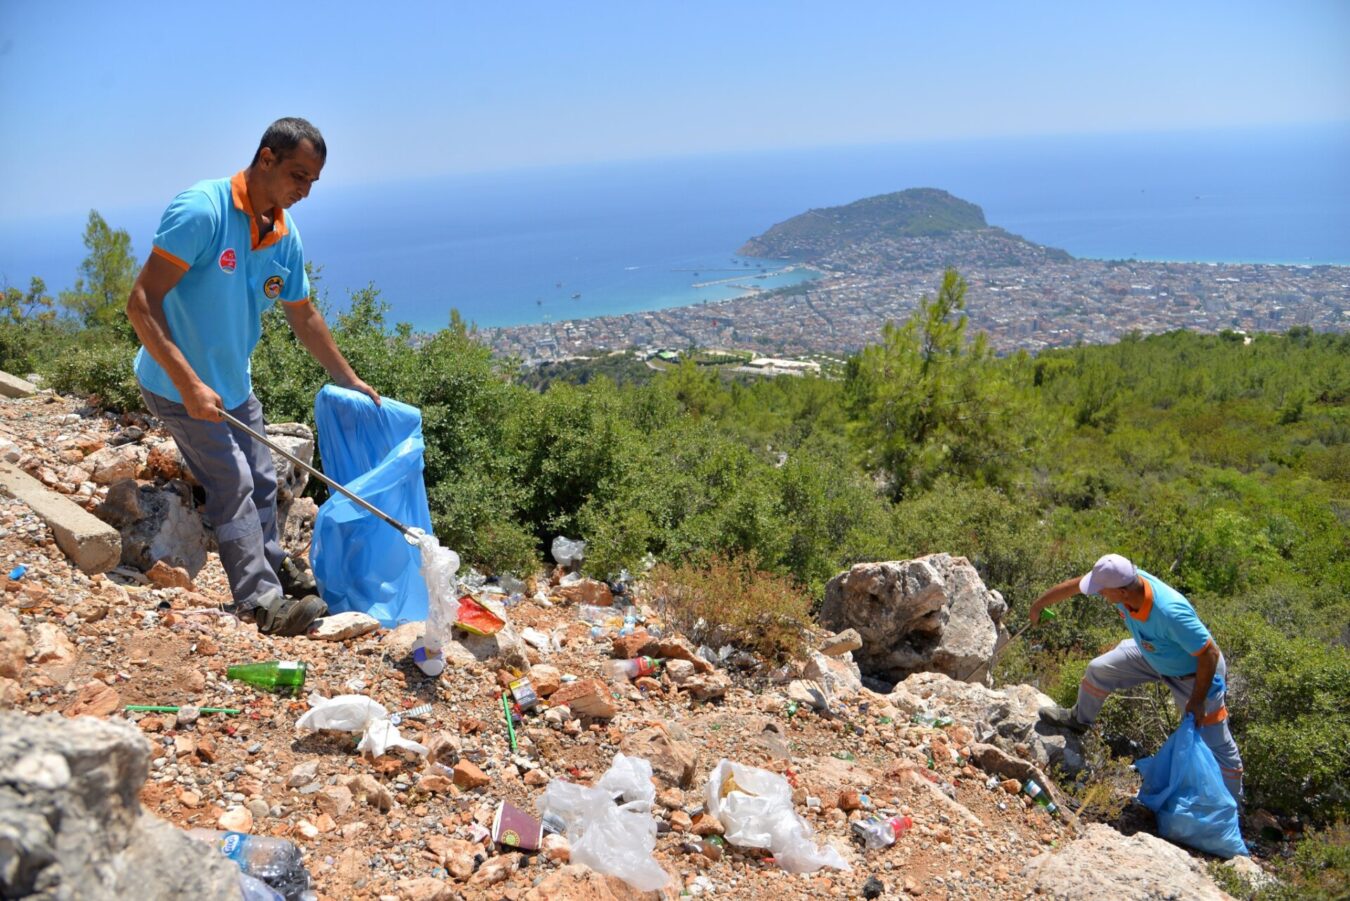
(289, 616)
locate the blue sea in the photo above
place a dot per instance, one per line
(548, 244)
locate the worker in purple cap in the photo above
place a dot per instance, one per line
(1168, 644)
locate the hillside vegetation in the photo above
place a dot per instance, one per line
(913, 213)
(1219, 462)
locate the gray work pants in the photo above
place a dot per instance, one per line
(241, 493)
(1125, 667)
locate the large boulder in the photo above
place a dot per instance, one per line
(157, 522)
(933, 614)
(71, 824)
(1105, 865)
(298, 440)
(1008, 717)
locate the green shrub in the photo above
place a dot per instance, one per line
(98, 368)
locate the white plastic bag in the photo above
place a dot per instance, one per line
(357, 713)
(568, 551)
(608, 838)
(630, 778)
(754, 806)
(438, 567)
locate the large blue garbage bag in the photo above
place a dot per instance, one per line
(1183, 786)
(360, 561)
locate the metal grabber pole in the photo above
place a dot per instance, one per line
(364, 504)
(1047, 614)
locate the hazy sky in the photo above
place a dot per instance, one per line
(116, 104)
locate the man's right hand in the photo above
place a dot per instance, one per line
(202, 403)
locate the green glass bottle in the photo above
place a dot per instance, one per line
(285, 677)
(1040, 796)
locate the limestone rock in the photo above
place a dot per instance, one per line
(425, 888)
(841, 643)
(930, 614)
(71, 824)
(1005, 717)
(95, 699)
(575, 882)
(673, 757)
(1103, 864)
(587, 591)
(341, 626)
(113, 464)
(157, 522)
(297, 439)
(162, 575)
(586, 697)
(545, 679)
(13, 645)
(51, 646)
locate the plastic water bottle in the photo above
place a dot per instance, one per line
(1040, 796)
(281, 676)
(879, 832)
(632, 669)
(274, 861)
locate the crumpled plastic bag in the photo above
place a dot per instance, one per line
(1183, 786)
(360, 561)
(357, 713)
(616, 840)
(568, 551)
(438, 567)
(754, 806)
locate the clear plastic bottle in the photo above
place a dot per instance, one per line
(879, 832)
(274, 861)
(631, 669)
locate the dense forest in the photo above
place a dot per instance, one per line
(1219, 462)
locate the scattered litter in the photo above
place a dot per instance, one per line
(536, 639)
(414, 713)
(438, 567)
(568, 552)
(274, 861)
(357, 713)
(515, 828)
(616, 840)
(17, 572)
(285, 677)
(478, 619)
(754, 806)
(161, 708)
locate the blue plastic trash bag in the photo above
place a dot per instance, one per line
(1183, 786)
(360, 561)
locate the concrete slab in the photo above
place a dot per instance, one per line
(92, 544)
(13, 386)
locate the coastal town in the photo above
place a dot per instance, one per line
(1021, 307)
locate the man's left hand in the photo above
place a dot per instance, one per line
(358, 385)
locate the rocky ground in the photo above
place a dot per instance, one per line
(404, 826)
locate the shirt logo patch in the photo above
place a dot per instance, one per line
(227, 261)
(272, 287)
(1148, 646)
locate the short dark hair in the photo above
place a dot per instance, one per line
(284, 135)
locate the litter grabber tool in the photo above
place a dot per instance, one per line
(408, 533)
(1046, 614)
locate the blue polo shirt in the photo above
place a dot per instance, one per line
(230, 277)
(1167, 630)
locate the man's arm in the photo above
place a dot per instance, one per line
(313, 332)
(145, 309)
(1206, 664)
(1060, 593)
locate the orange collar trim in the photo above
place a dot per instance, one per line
(1142, 613)
(239, 190)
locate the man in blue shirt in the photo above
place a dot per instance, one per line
(225, 251)
(1169, 644)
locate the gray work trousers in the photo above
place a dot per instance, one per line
(241, 493)
(1125, 667)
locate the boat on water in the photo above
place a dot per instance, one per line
(576, 296)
